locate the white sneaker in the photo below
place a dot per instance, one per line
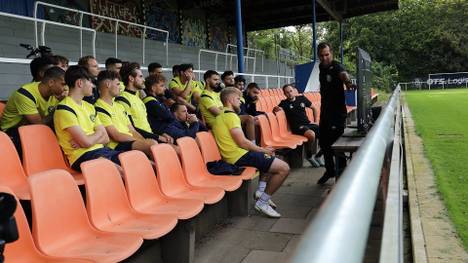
(313, 162)
(320, 160)
(267, 210)
(270, 202)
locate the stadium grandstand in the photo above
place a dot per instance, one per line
(148, 131)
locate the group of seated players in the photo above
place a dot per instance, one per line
(101, 113)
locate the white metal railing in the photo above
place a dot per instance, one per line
(217, 54)
(391, 248)
(45, 22)
(228, 46)
(339, 231)
(117, 21)
(169, 70)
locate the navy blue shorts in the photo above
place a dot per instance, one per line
(258, 160)
(302, 129)
(124, 146)
(103, 152)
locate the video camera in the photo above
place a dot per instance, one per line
(8, 228)
(41, 51)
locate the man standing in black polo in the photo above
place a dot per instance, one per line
(333, 77)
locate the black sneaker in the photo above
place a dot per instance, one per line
(324, 178)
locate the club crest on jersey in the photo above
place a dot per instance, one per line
(302, 105)
(329, 78)
(92, 117)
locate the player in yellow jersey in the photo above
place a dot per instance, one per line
(210, 103)
(132, 77)
(122, 134)
(238, 150)
(33, 103)
(80, 133)
(185, 88)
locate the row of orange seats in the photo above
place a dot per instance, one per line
(117, 217)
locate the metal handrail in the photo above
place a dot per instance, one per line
(391, 249)
(248, 49)
(117, 21)
(340, 229)
(27, 61)
(217, 53)
(44, 22)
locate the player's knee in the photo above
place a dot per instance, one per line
(310, 135)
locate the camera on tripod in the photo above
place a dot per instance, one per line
(40, 51)
(8, 227)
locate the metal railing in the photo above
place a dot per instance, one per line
(340, 229)
(45, 22)
(117, 21)
(167, 70)
(228, 46)
(391, 249)
(217, 54)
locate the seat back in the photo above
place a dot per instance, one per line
(310, 114)
(140, 180)
(191, 159)
(24, 247)
(261, 104)
(282, 123)
(106, 199)
(273, 125)
(170, 173)
(41, 151)
(57, 208)
(208, 147)
(12, 174)
(265, 131)
(269, 104)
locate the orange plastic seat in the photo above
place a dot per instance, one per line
(108, 206)
(261, 105)
(41, 151)
(12, 174)
(210, 153)
(195, 169)
(24, 249)
(276, 133)
(144, 193)
(283, 127)
(310, 114)
(269, 104)
(171, 177)
(61, 226)
(266, 138)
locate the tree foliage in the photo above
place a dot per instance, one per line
(422, 37)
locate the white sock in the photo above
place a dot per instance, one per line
(261, 186)
(264, 198)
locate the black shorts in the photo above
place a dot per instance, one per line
(124, 146)
(302, 129)
(103, 152)
(258, 160)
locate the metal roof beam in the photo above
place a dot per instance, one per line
(333, 13)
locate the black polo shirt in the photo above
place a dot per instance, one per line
(333, 106)
(295, 111)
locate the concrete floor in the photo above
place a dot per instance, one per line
(258, 239)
